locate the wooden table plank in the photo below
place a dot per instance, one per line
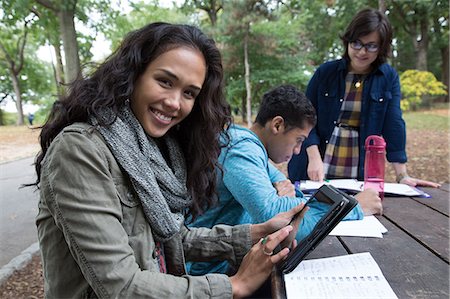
(445, 187)
(425, 224)
(277, 284)
(330, 246)
(439, 200)
(411, 269)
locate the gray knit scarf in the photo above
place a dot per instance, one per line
(160, 188)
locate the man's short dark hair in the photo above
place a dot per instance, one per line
(290, 103)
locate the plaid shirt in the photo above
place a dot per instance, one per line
(342, 152)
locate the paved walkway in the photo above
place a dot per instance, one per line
(18, 210)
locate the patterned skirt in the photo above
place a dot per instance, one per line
(342, 153)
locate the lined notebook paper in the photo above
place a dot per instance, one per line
(348, 276)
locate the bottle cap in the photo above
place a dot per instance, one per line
(375, 141)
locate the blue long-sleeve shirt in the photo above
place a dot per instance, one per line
(246, 191)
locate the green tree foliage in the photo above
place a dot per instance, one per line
(239, 35)
(212, 8)
(35, 79)
(67, 12)
(418, 88)
(15, 27)
(286, 40)
(322, 24)
(277, 56)
(44, 30)
(12, 46)
(142, 13)
(276, 52)
(421, 35)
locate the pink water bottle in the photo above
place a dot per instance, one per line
(374, 163)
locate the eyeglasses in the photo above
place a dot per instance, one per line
(370, 47)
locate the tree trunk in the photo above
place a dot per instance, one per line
(212, 13)
(70, 44)
(248, 87)
(14, 68)
(445, 75)
(243, 110)
(59, 70)
(16, 85)
(382, 6)
(422, 44)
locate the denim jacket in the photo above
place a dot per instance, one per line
(94, 238)
(380, 113)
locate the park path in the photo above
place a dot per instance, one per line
(18, 208)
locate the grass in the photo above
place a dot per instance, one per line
(427, 120)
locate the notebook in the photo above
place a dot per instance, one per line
(349, 276)
(339, 204)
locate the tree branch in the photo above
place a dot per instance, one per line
(289, 8)
(22, 48)
(74, 5)
(401, 12)
(8, 58)
(47, 4)
(36, 12)
(4, 97)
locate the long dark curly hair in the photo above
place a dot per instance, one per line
(113, 82)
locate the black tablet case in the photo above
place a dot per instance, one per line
(340, 205)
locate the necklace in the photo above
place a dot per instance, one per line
(359, 80)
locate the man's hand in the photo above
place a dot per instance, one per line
(292, 217)
(285, 188)
(370, 202)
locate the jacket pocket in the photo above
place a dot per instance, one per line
(130, 207)
(327, 94)
(380, 97)
(377, 107)
(328, 102)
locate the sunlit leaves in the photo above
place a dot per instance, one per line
(418, 86)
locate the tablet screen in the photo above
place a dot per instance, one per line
(335, 206)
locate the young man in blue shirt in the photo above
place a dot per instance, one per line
(250, 188)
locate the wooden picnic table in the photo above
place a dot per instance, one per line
(413, 255)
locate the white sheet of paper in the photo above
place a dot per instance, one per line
(401, 189)
(348, 276)
(370, 226)
(357, 186)
(346, 184)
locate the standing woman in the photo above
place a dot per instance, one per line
(355, 97)
(125, 157)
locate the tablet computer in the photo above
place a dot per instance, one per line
(338, 204)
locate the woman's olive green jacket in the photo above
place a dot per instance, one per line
(95, 240)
